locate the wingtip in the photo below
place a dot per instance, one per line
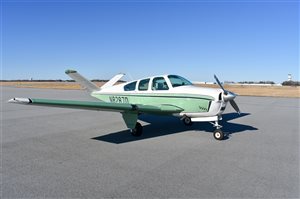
(20, 100)
(70, 71)
(11, 100)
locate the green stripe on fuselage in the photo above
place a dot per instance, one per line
(188, 102)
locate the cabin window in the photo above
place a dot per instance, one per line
(143, 85)
(159, 83)
(130, 86)
(178, 81)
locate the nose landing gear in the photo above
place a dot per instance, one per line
(218, 133)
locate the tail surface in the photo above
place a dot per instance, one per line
(85, 83)
(113, 80)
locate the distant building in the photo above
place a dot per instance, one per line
(289, 77)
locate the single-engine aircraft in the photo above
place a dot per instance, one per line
(161, 95)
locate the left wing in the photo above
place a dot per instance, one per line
(129, 111)
(97, 106)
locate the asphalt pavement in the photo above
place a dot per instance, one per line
(67, 153)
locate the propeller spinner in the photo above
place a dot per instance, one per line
(228, 96)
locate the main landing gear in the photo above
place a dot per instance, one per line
(187, 121)
(137, 131)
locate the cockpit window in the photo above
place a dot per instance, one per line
(159, 83)
(178, 81)
(130, 86)
(143, 85)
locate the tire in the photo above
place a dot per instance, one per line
(137, 131)
(218, 134)
(187, 121)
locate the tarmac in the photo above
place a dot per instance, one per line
(67, 153)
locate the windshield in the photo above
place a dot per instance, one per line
(178, 81)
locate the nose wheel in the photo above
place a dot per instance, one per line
(218, 134)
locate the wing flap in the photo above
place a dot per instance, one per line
(161, 109)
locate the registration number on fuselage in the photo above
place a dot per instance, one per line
(119, 99)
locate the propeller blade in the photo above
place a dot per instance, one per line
(235, 106)
(219, 83)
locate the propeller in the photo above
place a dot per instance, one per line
(228, 96)
(235, 106)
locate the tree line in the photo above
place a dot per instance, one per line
(291, 83)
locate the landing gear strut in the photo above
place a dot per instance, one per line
(218, 133)
(137, 131)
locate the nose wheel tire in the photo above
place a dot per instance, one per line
(137, 131)
(187, 121)
(218, 134)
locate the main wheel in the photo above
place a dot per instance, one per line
(218, 134)
(187, 121)
(138, 130)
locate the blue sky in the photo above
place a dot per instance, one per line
(237, 40)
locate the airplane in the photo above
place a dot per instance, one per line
(157, 95)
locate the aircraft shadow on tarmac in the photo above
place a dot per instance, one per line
(167, 125)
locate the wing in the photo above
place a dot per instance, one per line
(129, 111)
(97, 106)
